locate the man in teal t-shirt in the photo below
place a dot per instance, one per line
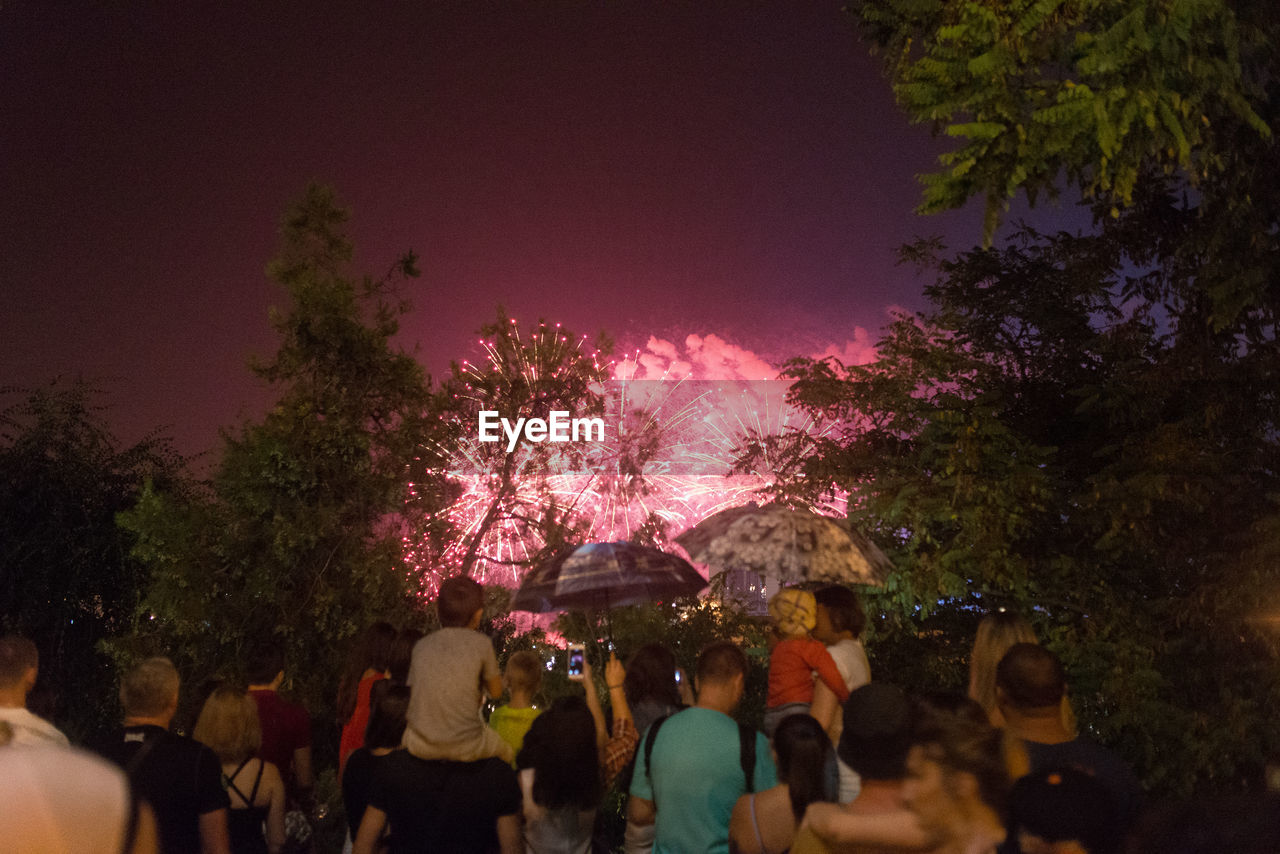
(688, 786)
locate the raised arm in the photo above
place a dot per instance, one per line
(621, 746)
(593, 703)
(615, 676)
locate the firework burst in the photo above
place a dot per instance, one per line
(667, 461)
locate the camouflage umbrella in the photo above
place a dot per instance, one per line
(793, 545)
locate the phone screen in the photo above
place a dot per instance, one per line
(575, 660)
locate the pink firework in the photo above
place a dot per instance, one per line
(666, 460)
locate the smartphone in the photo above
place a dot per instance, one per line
(576, 653)
(679, 676)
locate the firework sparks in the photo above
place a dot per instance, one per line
(666, 462)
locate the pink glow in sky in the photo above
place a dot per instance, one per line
(713, 175)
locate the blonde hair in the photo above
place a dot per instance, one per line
(996, 634)
(524, 671)
(147, 690)
(229, 725)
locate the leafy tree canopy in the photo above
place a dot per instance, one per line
(1108, 96)
(67, 580)
(1042, 438)
(297, 536)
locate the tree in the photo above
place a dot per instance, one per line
(67, 579)
(297, 536)
(1042, 438)
(1109, 97)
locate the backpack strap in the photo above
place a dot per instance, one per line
(747, 754)
(649, 739)
(135, 762)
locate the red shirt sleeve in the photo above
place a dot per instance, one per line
(816, 656)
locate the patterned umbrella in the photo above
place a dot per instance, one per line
(793, 545)
(603, 576)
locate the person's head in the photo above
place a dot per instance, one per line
(150, 689)
(388, 705)
(265, 663)
(651, 675)
(460, 602)
(877, 732)
(956, 767)
(722, 674)
(806, 762)
(1031, 680)
(19, 663)
(228, 725)
(402, 654)
(794, 613)
(370, 651)
(561, 748)
(524, 673)
(996, 633)
(839, 611)
(1060, 810)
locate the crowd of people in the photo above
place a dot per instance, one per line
(845, 763)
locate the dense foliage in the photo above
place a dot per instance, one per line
(297, 536)
(67, 579)
(1042, 437)
(1105, 98)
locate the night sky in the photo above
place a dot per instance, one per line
(642, 168)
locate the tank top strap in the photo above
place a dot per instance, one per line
(229, 782)
(253, 793)
(755, 823)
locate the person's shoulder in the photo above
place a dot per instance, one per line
(698, 722)
(271, 776)
(452, 638)
(29, 729)
(187, 747)
(1082, 751)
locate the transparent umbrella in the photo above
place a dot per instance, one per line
(793, 545)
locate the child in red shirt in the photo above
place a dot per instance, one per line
(796, 658)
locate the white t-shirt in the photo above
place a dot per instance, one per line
(31, 730)
(851, 661)
(62, 802)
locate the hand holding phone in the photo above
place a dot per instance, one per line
(577, 661)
